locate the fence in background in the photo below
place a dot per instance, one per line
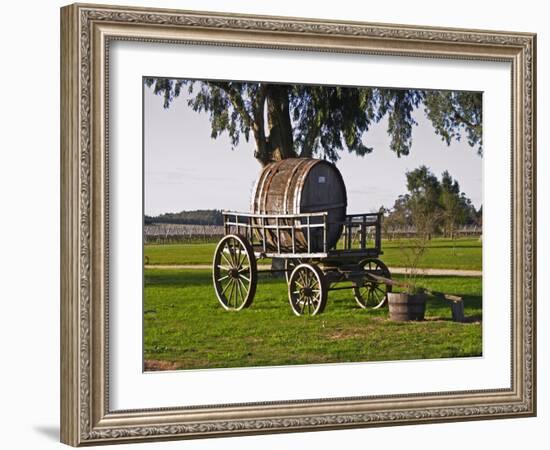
(171, 233)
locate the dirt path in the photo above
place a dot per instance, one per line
(395, 270)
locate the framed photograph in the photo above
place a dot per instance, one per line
(276, 224)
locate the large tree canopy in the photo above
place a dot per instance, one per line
(288, 121)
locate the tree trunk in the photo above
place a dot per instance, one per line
(280, 142)
(262, 152)
(280, 139)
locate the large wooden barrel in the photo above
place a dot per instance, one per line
(302, 185)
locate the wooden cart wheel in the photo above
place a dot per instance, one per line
(373, 294)
(290, 264)
(307, 290)
(234, 272)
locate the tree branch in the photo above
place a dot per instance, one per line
(258, 128)
(236, 100)
(309, 140)
(459, 117)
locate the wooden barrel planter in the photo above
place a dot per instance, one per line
(301, 185)
(405, 307)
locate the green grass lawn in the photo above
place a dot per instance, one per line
(186, 328)
(179, 254)
(442, 254)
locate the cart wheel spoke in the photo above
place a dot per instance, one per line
(237, 293)
(241, 282)
(233, 255)
(245, 278)
(242, 288)
(239, 289)
(238, 259)
(231, 292)
(239, 297)
(302, 278)
(370, 296)
(379, 291)
(229, 263)
(226, 286)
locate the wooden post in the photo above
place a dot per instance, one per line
(293, 237)
(308, 235)
(457, 311)
(263, 234)
(363, 232)
(378, 237)
(325, 249)
(278, 234)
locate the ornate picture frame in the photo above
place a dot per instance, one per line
(86, 34)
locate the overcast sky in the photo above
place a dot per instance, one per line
(185, 169)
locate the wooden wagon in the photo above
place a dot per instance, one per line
(299, 216)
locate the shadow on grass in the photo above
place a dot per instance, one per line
(177, 278)
(192, 277)
(476, 318)
(437, 246)
(442, 309)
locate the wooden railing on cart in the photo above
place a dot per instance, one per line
(253, 226)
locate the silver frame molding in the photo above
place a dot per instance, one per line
(86, 31)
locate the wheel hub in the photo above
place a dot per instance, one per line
(234, 273)
(307, 291)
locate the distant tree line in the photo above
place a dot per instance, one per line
(196, 217)
(431, 206)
